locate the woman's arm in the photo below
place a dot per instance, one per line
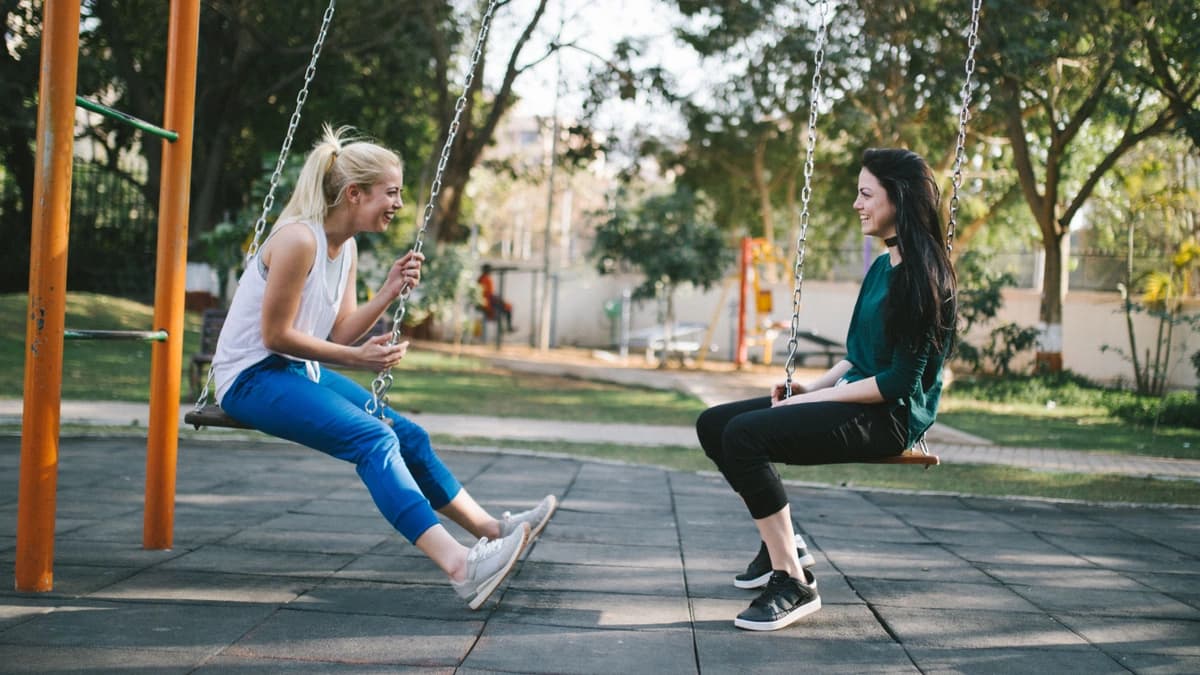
(826, 379)
(289, 258)
(901, 380)
(860, 391)
(353, 321)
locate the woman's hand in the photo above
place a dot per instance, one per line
(377, 354)
(406, 271)
(777, 393)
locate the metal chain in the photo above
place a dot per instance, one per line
(378, 403)
(269, 200)
(814, 99)
(964, 114)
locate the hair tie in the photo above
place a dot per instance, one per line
(332, 159)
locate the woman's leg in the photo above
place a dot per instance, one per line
(445, 494)
(277, 398)
(710, 426)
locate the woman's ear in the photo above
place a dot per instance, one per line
(353, 193)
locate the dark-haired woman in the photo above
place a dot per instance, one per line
(875, 403)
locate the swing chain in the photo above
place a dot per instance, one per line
(269, 201)
(806, 195)
(301, 97)
(382, 383)
(964, 114)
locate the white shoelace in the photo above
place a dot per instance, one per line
(484, 549)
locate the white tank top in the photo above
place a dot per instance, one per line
(240, 344)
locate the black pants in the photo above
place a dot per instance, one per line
(743, 438)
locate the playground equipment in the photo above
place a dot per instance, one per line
(45, 330)
(758, 256)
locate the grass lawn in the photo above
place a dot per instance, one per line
(1067, 428)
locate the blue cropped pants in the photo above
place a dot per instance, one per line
(405, 477)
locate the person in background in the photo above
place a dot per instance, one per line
(494, 306)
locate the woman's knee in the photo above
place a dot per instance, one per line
(709, 428)
(742, 444)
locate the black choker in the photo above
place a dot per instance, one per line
(892, 241)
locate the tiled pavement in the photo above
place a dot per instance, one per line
(281, 563)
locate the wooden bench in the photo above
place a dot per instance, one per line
(210, 330)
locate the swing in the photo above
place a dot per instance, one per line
(919, 454)
(206, 414)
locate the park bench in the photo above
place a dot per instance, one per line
(684, 342)
(210, 329)
(832, 350)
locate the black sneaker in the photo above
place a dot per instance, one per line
(759, 569)
(782, 603)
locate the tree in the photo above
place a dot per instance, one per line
(1062, 77)
(251, 62)
(19, 67)
(671, 239)
(481, 112)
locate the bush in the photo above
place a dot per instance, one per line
(1177, 409)
(1065, 388)
(1196, 365)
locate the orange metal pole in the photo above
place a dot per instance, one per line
(170, 281)
(36, 500)
(742, 353)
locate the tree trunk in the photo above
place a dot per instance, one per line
(763, 189)
(1054, 291)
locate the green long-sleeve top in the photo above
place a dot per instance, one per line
(907, 377)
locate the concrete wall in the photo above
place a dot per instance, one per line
(1091, 319)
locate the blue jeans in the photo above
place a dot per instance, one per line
(405, 477)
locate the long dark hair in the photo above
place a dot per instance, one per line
(922, 298)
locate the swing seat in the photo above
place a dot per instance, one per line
(211, 415)
(918, 454)
(909, 456)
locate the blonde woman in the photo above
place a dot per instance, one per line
(295, 309)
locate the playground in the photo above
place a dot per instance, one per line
(152, 527)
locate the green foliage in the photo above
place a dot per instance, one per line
(447, 279)
(1196, 365)
(1064, 388)
(979, 300)
(670, 238)
(1162, 297)
(1072, 391)
(1178, 409)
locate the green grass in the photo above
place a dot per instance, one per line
(93, 370)
(437, 383)
(973, 479)
(1066, 428)
(424, 382)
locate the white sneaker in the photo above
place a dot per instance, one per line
(488, 563)
(537, 517)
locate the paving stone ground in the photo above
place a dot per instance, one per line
(281, 563)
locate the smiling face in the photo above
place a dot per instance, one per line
(376, 206)
(876, 213)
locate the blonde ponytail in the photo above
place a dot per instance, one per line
(336, 162)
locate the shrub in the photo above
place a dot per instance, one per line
(1178, 409)
(1196, 365)
(1064, 388)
